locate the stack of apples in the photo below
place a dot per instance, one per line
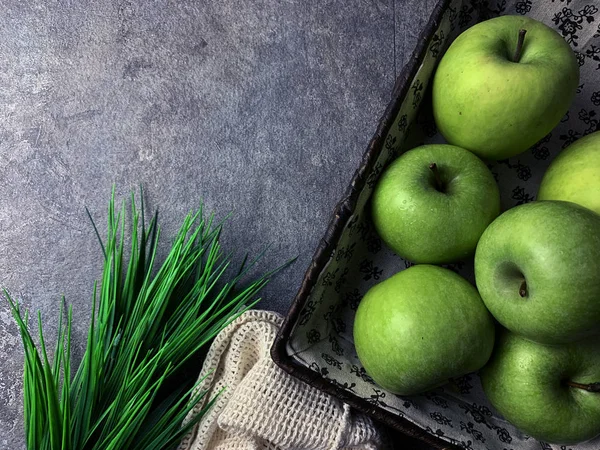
(532, 323)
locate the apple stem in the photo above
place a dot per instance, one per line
(438, 180)
(519, 49)
(523, 289)
(592, 387)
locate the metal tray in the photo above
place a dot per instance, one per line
(315, 341)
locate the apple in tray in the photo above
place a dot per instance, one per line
(537, 268)
(502, 85)
(421, 327)
(574, 175)
(432, 203)
(551, 392)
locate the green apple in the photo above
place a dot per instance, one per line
(432, 203)
(537, 268)
(550, 392)
(503, 85)
(421, 327)
(574, 175)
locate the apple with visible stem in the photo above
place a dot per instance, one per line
(502, 85)
(537, 268)
(420, 328)
(574, 175)
(432, 203)
(550, 392)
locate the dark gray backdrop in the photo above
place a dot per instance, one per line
(260, 107)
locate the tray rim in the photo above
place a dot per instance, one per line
(341, 215)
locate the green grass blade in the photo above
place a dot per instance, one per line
(148, 321)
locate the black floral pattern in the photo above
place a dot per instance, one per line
(335, 346)
(590, 119)
(470, 429)
(500, 8)
(479, 413)
(417, 89)
(407, 402)
(331, 361)
(346, 386)
(437, 431)
(402, 123)
(437, 41)
(364, 228)
(596, 98)
(571, 22)
(466, 445)
(452, 15)
(480, 10)
(370, 270)
(361, 373)
(370, 237)
(391, 143)
(352, 299)
(330, 276)
(313, 336)
(521, 196)
(569, 138)
(323, 371)
(331, 312)
(441, 419)
(377, 399)
(341, 281)
(540, 150)
(523, 171)
(523, 7)
(374, 175)
(464, 16)
(307, 312)
(437, 400)
(464, 384)
(592, 53)
(345, 253)
(503, 435)
(339, 326)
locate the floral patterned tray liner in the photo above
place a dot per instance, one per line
(322, 336)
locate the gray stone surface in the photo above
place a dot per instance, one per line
(262, 107)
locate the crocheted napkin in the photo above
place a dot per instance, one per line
(261, 406)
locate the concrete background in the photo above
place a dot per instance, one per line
(261, 107)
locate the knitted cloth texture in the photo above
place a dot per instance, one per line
(260, 407)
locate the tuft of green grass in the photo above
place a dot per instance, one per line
(147, 322)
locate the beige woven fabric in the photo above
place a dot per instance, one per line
(262, 407)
